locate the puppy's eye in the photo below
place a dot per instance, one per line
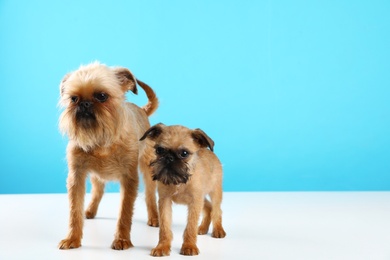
(184, 154)
(160, 150)
(74, 99)
(101, 97)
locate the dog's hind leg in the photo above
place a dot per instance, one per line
(204, 226)
(97, 194)
(216, 213)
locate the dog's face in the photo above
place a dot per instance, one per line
(94, 97)
(175, 149)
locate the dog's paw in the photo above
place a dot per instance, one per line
(69, 243)
(121, 244)
(89, 214)
(153, 222)
(161, 251)
(188, 249)
(202, 230)
(218, 233)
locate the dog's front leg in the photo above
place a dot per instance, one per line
(190, 233)
(76, 193)
(129, 188)
(165, 235)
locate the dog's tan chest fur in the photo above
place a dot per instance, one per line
(105, 162)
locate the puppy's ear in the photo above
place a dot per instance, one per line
(202, 139)
(126, 79)
(62, 87)
(153, 132)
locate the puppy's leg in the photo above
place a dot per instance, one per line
(129, 187)
(97, 194)
(190, 233)
(76, 193)
(216, 213)
(150, 197)
(204, 226)
(165, 235)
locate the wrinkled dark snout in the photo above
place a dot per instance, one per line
(85, 108)
(85, 105)
(85, 113)
(169, 158)
(169, 169)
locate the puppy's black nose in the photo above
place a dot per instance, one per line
(170, 158)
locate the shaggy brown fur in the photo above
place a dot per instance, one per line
(103, 131)
(186, 172)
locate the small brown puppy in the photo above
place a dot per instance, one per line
(103, 131)
(186, 172)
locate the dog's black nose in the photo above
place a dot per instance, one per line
(86, 104)
(170, 158)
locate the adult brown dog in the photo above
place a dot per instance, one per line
(186, 170)
(104, 132)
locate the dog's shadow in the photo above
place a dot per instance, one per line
(101, 218)
(138, 221)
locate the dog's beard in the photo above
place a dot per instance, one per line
(176, 172)
(86, 120)
(92, 130)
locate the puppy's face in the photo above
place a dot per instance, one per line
(175, 149)
(94, 97)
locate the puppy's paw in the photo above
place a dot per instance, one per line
(153, 222)
(202, 230)
(121, 244)
(69, 243)
(218, 233)
(189, 249)
(161, 251)
(89, 214)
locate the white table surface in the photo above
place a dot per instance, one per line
(259, 225)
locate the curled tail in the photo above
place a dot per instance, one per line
(152, 104)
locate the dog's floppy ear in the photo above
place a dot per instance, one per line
(62, 88)
(202, 139)
(126, 79)
(153, 132)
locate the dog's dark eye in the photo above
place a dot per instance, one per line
(184, 154)
(101, 97)
(74, 99)
(160, 150)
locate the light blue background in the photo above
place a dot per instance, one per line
(296, 94)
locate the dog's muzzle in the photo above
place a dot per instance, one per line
(85, 111)
(169, 169)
